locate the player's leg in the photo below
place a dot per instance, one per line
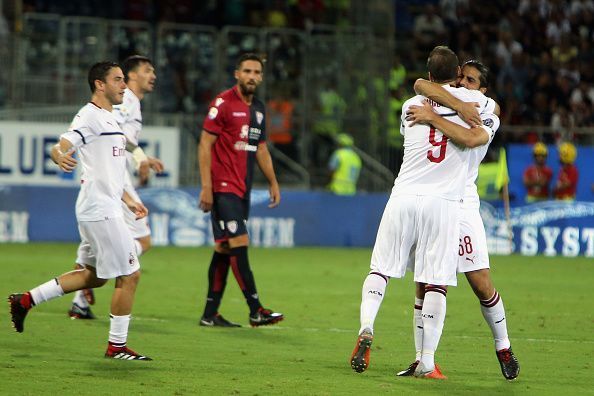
(233, 213)
(20, 304)
(115, 254)
(417, 329)
(493, 311)
(474, 262)
(435, 265)
(390, 258)
(217, 281)
(80, 308)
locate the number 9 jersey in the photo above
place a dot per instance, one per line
(433, 165)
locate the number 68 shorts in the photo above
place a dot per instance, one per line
(472, 249)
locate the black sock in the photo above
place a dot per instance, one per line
(245, 278)
(217, 280)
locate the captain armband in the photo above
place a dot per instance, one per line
(139, 156)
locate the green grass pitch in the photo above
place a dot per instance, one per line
(550, 314)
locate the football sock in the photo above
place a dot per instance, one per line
(217, 280)
(118, 330)
(47, 291)
(433, 317)
(244, 276)
(80, 299)
(418, 327)
(494, 314)
(138, 247)
(372, 294)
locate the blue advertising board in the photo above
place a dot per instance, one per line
(551, 228)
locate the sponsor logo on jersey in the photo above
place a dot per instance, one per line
(218, 102)
(212, 113)
(240, 145)
(255, 133)
(244, 131)
(259, 117)
(239, 114)
(232, 226)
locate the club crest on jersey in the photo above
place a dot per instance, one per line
(488, 122)
(131, 259)
(212, 113)
(259, 117)
(232, 226)
(244, 131)
(218, 102)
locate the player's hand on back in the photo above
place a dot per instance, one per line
(205, 201)
(421, 114)
(275, 197)
(66, 161)
(468, 112)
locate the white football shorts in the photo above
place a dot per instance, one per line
(472, 251)
(108, 246)
(419, 233)
(139, 228)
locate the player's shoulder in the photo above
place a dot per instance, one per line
(224, 98)
(416, 100)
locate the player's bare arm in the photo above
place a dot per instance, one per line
(467, 137)
(207, 140)
(265, 163)
(62, 153)
(466, 110)
(136, 207)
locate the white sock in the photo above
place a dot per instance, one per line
(138, 247)
(434, 311)
(80, 300)
(47, 291)
(372, 295)
(494, 314)
(418, 327)
(118, 329)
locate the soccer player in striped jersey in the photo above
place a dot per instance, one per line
(101, 145)
(420, 226)
(473, 258)
(140, 79)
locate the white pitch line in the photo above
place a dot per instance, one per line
(338, 330)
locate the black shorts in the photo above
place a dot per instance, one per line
(229, 216)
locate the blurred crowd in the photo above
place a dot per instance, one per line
(540, 54)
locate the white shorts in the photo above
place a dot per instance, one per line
(419, 233)
(139, 228)
(472, 252)
(108, 246)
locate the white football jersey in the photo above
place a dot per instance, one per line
(471, 197)
(101, 147)
(433, 164)
(129, 116)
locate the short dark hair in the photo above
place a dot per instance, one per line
(482, 69)
(99, 71)
(248, 56)
(442, 64)
(132, 62)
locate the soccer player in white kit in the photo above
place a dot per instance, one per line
(473, 255)
(140, 77)
(101, 146)
(420, 225)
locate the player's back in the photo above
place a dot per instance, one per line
(433, 164)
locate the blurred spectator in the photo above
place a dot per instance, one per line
(429, 30)
(505, 47)
(537, 177)
(345, 166)
(279, 123)
(562, 123)
(567, 179)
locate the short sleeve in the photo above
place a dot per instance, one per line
(490, 124)
(79, 133)
(214, 121)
